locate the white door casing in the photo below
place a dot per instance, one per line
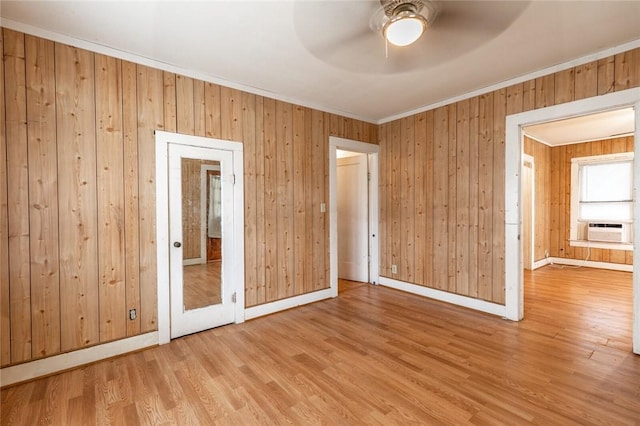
(234, 235)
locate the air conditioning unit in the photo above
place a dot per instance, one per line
(608, 232)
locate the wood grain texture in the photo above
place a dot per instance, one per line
(43, 200)
(150, 114)
(17, 196)
(131, 193)
(377, 356)
(76, 134)
(111, 201)
(5, 312)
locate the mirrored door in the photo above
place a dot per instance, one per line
(200, 187)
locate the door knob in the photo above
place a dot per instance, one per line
(177, 244)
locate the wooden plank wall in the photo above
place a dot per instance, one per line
(541, 154)
(447, 165)
(77, 191)
(553, 197)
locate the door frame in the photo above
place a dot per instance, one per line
(163, 139)
(203, 207)
(514, 281)
(372, 151)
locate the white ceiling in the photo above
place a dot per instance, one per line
(593, 127)
(322, 53)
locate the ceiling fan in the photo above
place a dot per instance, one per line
(351, 34)
(402, 22)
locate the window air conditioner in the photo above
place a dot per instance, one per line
(607, 232)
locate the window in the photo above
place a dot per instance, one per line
(601, 193)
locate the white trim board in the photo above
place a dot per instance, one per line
(288, 303)
(589, 264)
(57, 363)
(444, 296)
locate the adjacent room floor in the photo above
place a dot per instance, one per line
(374, 356)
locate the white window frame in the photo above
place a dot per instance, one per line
(576, 162)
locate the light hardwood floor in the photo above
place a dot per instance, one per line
(374, 356)
(202, 284)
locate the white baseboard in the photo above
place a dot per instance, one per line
(57, 363)
(194, 261)
(444, 296)
(591, 264)
(540, 263)
(291, 302)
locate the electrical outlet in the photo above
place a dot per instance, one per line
(132, 314)
(323, 208)
(546, 254)
(394, 269)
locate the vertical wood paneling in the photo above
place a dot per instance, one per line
(627, 70)
(230, 114)
(586, 80)
(212, 124)
(317, 189)
(383, 191)
(261, 248)
(5, 313)
(250, 205)
(564, 85)
(43, 197)
(407, 251)
(170, 102)
(284, 200)
(131, 208)
(270, 201)
(150, 101)
(394, 196)
(76, 133)
(110, 176)
(485, 196)
(184, 105)
(299, 202)
(441, 198)
(545, 91)
(462, 198)
(498, 250)
(308, 284)
(17, 195)
(421, 196)
(429, 186)
(452, 202)
(606, 75)
(474, 194)
(199, 110)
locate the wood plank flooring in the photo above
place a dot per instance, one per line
(374, 355)
(202, 284)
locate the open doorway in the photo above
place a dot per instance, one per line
(515, 126)
(353, 200)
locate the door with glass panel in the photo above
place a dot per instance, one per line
(200, 223)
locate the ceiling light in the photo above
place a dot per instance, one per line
(404, 27)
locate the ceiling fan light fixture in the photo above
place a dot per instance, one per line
(404, 28)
